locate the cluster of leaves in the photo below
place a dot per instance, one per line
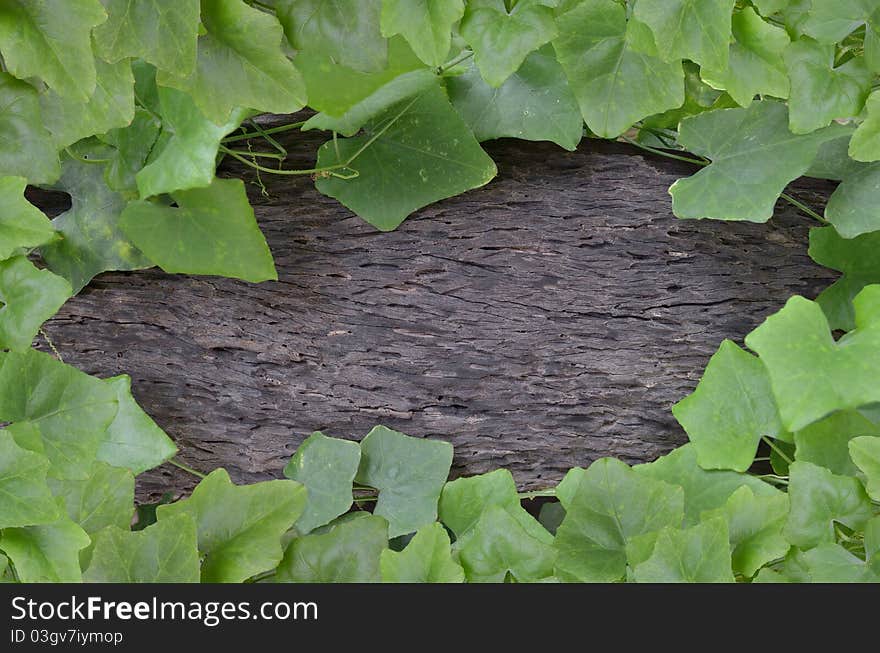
(129, 107)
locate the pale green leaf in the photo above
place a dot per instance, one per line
(326, 467)
(614, 84)
(26, 500)
(865, 452)
(22, 225)
(425, 24)
(698, 30)
(409, 474)
(699, 554)
(105, 498)
(211, 231)
(27, 148)
(852, 206)
(418, 152)
(826, 442)
(28, 297)
(426, 559)
(239, 527)
(464, 499)
(831, 563)
(865, 143)
(48, 553)
(830, 21)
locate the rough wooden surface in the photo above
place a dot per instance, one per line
(546, 320)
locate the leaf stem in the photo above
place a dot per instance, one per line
(803, 207)
(779, 452)
(185, 468)
(264, 132)
(537, 493)
(462, 56)
(670, 155)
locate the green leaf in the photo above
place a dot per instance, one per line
(865, 452)
(826, 442)
(26, 497)
(756, 140)
(699, 554)
(186, 154)
(852, 206)
(91, 241)
(239, 527)
(615, 85)
(568, 486)
(111, 105)
(240, 63)
(348, 553)
(346, 31)
(326, 467)
(831, 563)
(132, 146)
(425, 24)
(409, 474)
(811, 374)
(612, 505)
(426, 559)
(71, 410)
(819, 91)
(48, 553)
(830, 21)
(27, 148)
(51, 40)
(818, 500)
(755, 525)
(698, 30)
(133, 440)
(165, 552)
(832, 160)
(499, 546)
(211, 231)
(730, 410)
(463, 500)
(163, 33)
(105, 498)
(755, 65)
(502, 37)
(703, 489)
(22, 225)
(859, 260)
(865, 143)
(420, 148)
(28, 297)
(534, 103)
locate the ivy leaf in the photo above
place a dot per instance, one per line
(91, 241)
(418, 152)
(865, 452)
(48, 553)
(409, 474)
(832, 160)
(699, 554)
(425, 24)
(755, 65)
(27, 149)
(22, 225)
(27, 500)
(111, 105)
(698, 30)
(859, 260)
(201, 235)
(463, 500)
(165, 552)
(326, 467)
(755, 525)
(499, 546)
(52, 40)
(348, 553)
(186, 154)
(132, 145)
(239, 527)
(70, 410)
(826, 442)
(105, 498)
(615, 85)
(502, 38)
(162, 33)
(754, 139)
(811, 374)
(818, 500)
(534, 103)
(240, 63)
(704, 490)
(346, 31)
(865, 142)
(851, 207)
(426, 559)
(133, 440)
(831, 563)
(729, 412)
(830, 21)
(819, 91)
(28, 297)
(612, 505)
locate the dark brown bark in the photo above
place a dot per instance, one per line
(546, 320)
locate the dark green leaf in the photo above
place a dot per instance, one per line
(425, 24)
(826, 442)
(699, 554)
(852, 206)
(27, 148)
(105, 498)
(698, 30)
